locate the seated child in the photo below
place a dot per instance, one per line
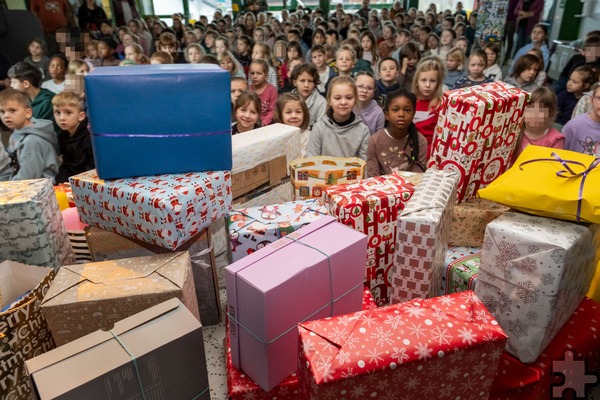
(525, 73)
(582, 134)
(37, 58)
(388, 80)
(409, 57)
(580, 81)
(27, 79)
(292, 110)
(238, 86)
(74, 139)
(366, 107)
(305, 79)
(32, 144)
(161, 57)
(455, 64)
(57, 70)
(399, 146)
(477, 64)
(247, 113)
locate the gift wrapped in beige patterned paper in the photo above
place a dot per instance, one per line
(469, 220)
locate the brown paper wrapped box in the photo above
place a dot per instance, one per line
(23, 329)
(86, 297)
(159, 350)
(470, 219)
(106, 245)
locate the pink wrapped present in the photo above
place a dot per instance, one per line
(371, 206)
(311, 273)
(442, 348)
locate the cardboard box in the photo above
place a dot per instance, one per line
(32, 230)
(422, 237)
(105, 245)
(165, 210)
(282, 193)
(312, 273)
(441, 348)
(271, 172)
(310, 176)
(534, 272)
(87, 297)
(469, 220)
(180, 131)
(160, 349)
(24, 333)
(253, 228)
(477, 132)
(372, 206)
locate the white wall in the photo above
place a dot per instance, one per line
(592, 20)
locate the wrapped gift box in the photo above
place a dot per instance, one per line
(240, 387)
(105, 245)
(159, 349)
(371, 206)
(534, 272)
(462, 274)
(518, 381)
(165, 210)
(454, 254)
(441, 348)
(32, 230)
(24, 333)
(312, 273)
(310, 176)
(76, 233)
(469, 220)
(253, 228)
(477, 132)
(180, 131)
(422, 237)
(87, 297)
(553, 183)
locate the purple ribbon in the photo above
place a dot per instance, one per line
(569, 173)
(166, 135)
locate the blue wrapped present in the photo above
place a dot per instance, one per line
(159, 119)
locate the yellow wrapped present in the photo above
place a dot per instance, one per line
(552, 183)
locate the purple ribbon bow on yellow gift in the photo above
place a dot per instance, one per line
(569, 173)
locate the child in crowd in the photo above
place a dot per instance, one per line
(32, 144)
(399, 146)
(238, 86)
(228, 62)
(366, 107)
(168, 43)
(222, 45)
(78, 67)
(433, 45)
(135, 53)
(345, 59)
(288, 85)
(161, 57)
(244, 51)
(462, 43)
(106, 52)
(541, 76)
(369, 49)
(26, 79)
(247, 112)
(292, 110)
(493, 70)
(37, 58)
(427, 86)
(446, 41)
(293, 50)
(402, 37)
(57, 70)
(340, 133)
(579, 82)
(538, 36)
(265, 91)
(582, 134)
(91, 54)
(193, 53)
(525, 73)
(387, 45)
(455, 62)
(318, 58)
(409, 57)
(537, 121)
(477, 64)
(74, 138)
(388, 80)
(305, 79)
(261, 51)
(210, 38)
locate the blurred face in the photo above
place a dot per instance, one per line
(344, 61)
(366, 88)
(68, 117)
(537, 117)
(530, 74)
(446, 24)
(491, 57)
(388, 71)
(57, 69)
(104, 51)
(331, 40)
(237, 88)
(127, 39)
(427, 84)
(452, 63)
(446, 38)
(591, 53)
(246, 117)
(92, 52)
(35, 49)
(401, 40)
(292, 52)
(82, 70)
(134, 28)
(14, 115)
(412, 62)
(387, 33)
(373, 22)
(476, 67)
(538, 35)
(460, 30)
(400, 114)
(258, 36)
(366, 43)
(106, 29)
(317, 58)
(342, 100)
(17, 85)
(575, 83)
(432, 43)
(318, 39)
(242, 47)
(293, 65)
(257, 75)
(292, 114)
(226, 64)
(462, 44)
(209, 41)
(220, 47)
(257, 53)
(194, 55)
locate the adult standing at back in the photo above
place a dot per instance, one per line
(53, 15)
(528, 15)
(90, 16)
(125, 11)
(364, 10)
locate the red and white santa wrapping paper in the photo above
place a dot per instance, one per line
(371, 206)
(477, 132)
(422, 237)
(441, 348)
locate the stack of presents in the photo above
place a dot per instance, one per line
(467, 281)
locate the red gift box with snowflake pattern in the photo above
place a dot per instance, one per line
(371, 206)
(441, 348)
(477, 132)
(241, 387)
(519, 381)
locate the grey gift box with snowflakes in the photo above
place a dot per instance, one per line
(534, 272)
